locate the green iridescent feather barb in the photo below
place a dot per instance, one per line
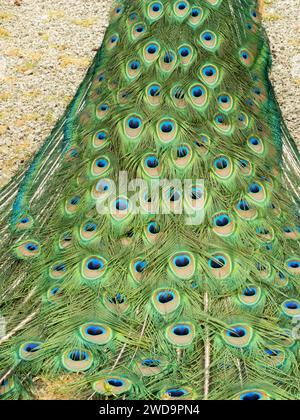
(145, 305)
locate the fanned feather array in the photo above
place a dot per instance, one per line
(147, 306)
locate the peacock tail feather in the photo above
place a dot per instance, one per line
(159, 305)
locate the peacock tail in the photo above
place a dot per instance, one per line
(107, 302)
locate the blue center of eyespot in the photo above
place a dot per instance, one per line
(154, 90)
(184, 52)
(101, 163)
(176, 393)
(151, 363)
(217, 262)
(249, 26)
(101, 77)
(168, 58)
(78, 356)
(152, 49)
(95, 264)
(251, 396)
(221, 163)
(132, 16)
(243, 163)
(140, 266)
(182, 151)
(292, 305)
(287, 229)
(181, 330)
(272, 352)
(196, 193)
(74, 201)
(224, 99)
(140, 29)
(195, 13)
(294, 264)
(134, 123)
(244, 55)
(90, 227)
(152, 162)
(165, 297)
(156, 7)
(254, 188)
(31, 247)
(134, 65)
(113, 39)
(54, 291)
(167, 127)
(103, 107)
(236, 332)
(95, 330)
(60, 267)
(182, 261)
(121, 204)
(254, 141)
(197, 91)
(24, 220)
(101, 135)
(249, 291)
(208, 36)
(220, 119)
(243, 205)
(32, 347)
(117, 383)
(209, 71)
(153, 228)
(254, 14)
(182, 5)
(242, 118)
(222, 220)
(118, 299)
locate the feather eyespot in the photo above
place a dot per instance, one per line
(93, 268)
(199, 96)
(30, 350)
(220, 265)
(293, 266)
(186, 54)
(256, 144)
(151, 51)
(112, 386)
(246, 57)
(209, 40)
(291, 308)
(77, 360)
(252, 395)
(155, 10)
(210, 75)
(100, 139)
(166, 301)
(96, 333)
(138, 30)
(238, 336)
(113, 41)
(166, 130)
(154, 94)
(181, 334)
(133, 126)
(181, 9)
(183, 265)
(223, 224)
(196, 16)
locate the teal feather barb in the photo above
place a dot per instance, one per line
(159, 305)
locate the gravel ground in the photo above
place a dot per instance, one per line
(47, 45)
